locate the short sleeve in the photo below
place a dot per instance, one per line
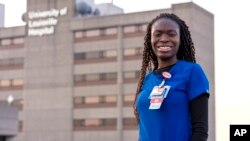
(197, 83)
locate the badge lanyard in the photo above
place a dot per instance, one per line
(159, 92)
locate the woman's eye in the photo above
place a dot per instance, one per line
(157, 34)
(172, 34)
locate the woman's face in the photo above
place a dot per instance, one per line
(165, 39)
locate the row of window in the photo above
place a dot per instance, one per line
(104, 123)
(18, 103)
(96, 124)
(105, 76)
(11, 83)
(107, 54)
(11, 63)
(130, 75)
(101, 101)
(12, 41)
(109, 31)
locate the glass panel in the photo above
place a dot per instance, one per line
(92, 122)
(5, 83)
(144, 27)
(129, 121)
(129, 51)
(138, 51)
(17, 82)
(91, 99)
(109, 122)
(110, 99)
(18, 61)
(129, 98)
(110, 53)
(91, 55)
(92, 33)
(111, 76)
(111, 31)
(18, 40)
(6, 42)
(78, 34)
(130, 29)
(78, 100)
(79, 56)
(130, 74)
(92, 77)
(79, 78)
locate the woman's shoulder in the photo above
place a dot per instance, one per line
(188, 64)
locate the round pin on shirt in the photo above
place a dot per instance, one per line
(166, 75)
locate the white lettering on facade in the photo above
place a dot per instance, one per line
(43, 22)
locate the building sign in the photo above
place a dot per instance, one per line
(43, 22)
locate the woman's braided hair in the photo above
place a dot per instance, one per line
(186, 50)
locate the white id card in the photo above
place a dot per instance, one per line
(158, 92)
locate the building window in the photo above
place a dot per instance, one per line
(108, 76)
(92, 55)
(134, 30)
(5, 42)
(19, 40)
(18, 104)
(96, 34)
(94, 124)
(17, 82)
(143, 27)
(95, 56)
(11, 43)
(80, 56)
(129, 123)
(91, 100)
(11, 84)
(133, 53)
(95, 77)
(130, 29)
(109, 53)
(79, 34)
(110, 31)
(128, 100)
(95, 101)
(110, 99)
(131, 76)
(80, 78)
(12, 63)
(92, 33)
(5, 83)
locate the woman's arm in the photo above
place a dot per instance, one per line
(199, 117)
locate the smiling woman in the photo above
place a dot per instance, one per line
(175, 90)
(165, 39)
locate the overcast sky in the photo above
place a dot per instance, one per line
(232, 58)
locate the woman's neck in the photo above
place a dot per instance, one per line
(163, 63)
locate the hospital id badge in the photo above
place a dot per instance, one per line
(157, 92)
(155, 103)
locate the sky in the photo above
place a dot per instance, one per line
(232, 67)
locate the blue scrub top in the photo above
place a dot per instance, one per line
(172, 121)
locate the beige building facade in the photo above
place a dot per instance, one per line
(74, 79)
